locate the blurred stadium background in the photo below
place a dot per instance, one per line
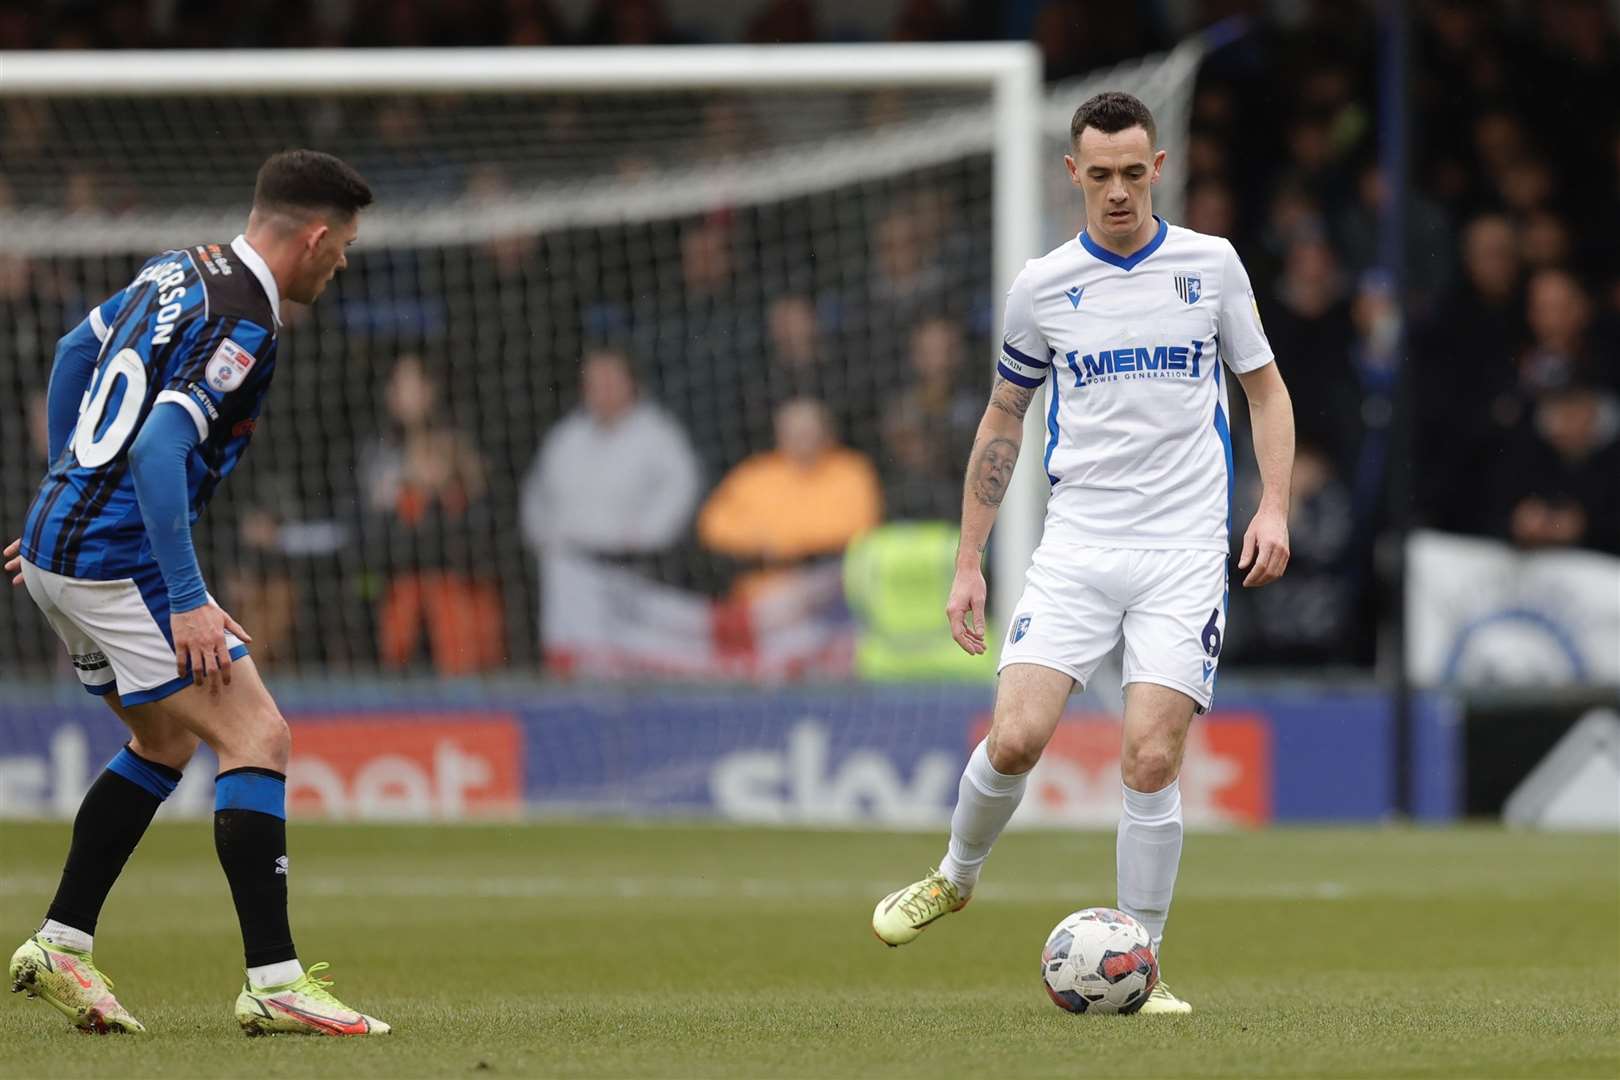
(618, 480)
(618, 476)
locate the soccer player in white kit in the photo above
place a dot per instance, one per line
(1132, 322)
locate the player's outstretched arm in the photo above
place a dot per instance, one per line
(989, 471)
(1271, 414)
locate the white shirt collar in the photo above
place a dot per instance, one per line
(261, 270)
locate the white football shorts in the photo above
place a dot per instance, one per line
(116, 632)
(1170, 605)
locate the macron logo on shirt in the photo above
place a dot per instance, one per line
(1074, 293)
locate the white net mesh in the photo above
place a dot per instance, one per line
(738, 249)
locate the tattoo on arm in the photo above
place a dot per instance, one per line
(992, 470)
(1011, 398)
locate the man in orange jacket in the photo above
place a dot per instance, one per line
(809, 497)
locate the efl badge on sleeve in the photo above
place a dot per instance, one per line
(229, 366)
(1188, 286)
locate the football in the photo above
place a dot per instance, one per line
(1099, 961)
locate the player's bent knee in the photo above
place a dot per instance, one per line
(257, 737)
(1029, 703)
(174, 750)
(272, 739)
(1148, 768)
(1014, 751)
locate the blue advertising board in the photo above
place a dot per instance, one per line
(858, 755)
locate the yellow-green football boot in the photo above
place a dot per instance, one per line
(1161, 1001)
(901, 916)
(72, 984)
(302, 1007)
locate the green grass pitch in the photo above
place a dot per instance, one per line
(619, 951)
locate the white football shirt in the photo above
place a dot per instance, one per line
(1137, 449)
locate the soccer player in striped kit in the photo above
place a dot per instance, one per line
(152, 401)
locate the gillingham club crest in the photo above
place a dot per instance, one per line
(1020, 627)
(1188, 286)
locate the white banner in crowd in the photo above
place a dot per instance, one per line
(602, 621)
(1482, 613)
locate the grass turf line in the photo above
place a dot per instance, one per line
(607, 950)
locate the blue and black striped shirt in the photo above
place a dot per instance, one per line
(197, 327)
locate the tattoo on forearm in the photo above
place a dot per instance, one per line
(992, 470)
(1010, 398)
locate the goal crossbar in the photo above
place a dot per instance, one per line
(612, 69)
(1009, 71)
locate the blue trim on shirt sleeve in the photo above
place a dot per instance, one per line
(241, 789)
(1126, 262)
(1021, 357)
(1015, 378)
(157, 464)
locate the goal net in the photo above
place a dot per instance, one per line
(436, 485)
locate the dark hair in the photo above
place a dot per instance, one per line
(308, 180)
(1112, 111)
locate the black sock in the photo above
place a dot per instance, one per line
(250, 835)
(111, 821)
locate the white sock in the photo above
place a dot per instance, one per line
(262, 978)
(1147, 856)
(985, 801)
(66, 936)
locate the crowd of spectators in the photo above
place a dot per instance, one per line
(1075, 37)
(1498, 417)
(761, 409)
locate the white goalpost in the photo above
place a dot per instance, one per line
(574, 172)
